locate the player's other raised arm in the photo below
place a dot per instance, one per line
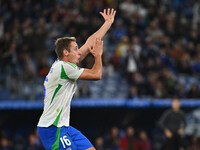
(108, 16)
(96, 72)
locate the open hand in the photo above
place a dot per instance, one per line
(108, 15)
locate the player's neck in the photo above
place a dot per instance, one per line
(64, 59)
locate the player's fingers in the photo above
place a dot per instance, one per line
(96, 41)
(104, 11)
(112, 10)
(90, 49)
(114, 13)
(108, 12)
(101, 13)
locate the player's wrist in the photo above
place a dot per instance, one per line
(97, 56)
(109, 21)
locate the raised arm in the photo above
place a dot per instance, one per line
(109, 19)
(96, 72)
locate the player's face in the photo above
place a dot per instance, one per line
(74, 54)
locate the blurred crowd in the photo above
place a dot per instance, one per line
(153, 45)
(115, 139)
(20, 141)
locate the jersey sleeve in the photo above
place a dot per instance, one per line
(71, 71)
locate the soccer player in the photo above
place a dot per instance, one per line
(60, 85)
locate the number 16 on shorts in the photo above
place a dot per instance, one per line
(65, 142)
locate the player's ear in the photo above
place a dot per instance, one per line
(65, 52)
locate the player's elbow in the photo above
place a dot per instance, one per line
(97, 74)
(94, 77)
(97, 77)
(90, 75)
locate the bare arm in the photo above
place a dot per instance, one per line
(96, 72)
(109, 19)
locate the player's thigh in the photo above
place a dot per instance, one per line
(81, 142)
(54, 138)
(65, 141)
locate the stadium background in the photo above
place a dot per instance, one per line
(151, 54)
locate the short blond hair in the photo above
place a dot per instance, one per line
(63, 43)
